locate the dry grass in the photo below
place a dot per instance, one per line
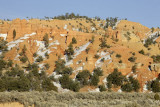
(104, 99)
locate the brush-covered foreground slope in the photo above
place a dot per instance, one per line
(70, 99)
(124, 46)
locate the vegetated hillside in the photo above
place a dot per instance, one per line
(97, 55)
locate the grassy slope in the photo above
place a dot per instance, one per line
(53, 99)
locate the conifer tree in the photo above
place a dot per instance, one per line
(14, 34)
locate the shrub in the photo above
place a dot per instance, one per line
(10, 63)
(23, 84)
(102, 60)
(35, 72)
(148, 42)
(118, 55)
(93, 38)
(134, 68)
(12, 73)
(43, 75)
(131, 84)
(14, 34)
(152, 29)
(69, 51)
(127, 36)
(156, 58)
(12, 84)
(132, 59)
(39, 59)
(96, 56)
(86, 59)
(47, 66)
(156, 97)
(23, 59)
(98, 71)
(47, 55)
(109, 84)
(21, 53)
(83, 77)
(2, 86)
(120, 61)
(2, 64)
(36, 83)
(103, 43)
(133, 53)
(80, 29)
(69, 57)
(116, 40)
(87, 50)
(75, 86)
(16, 68)
(67, 70)
(128, 33)
(3, 45)
(46, 40)
(116, 78)
(17, 80)
(135, 83)
(102, 88)
(65, 81)
(68, 83)
(24, 49)
(74, 41)
(59, 66)
(47, 85)
(94, 80)
(32, 66)
(141, 51)
(127, 87)
(155, 86)
(20, 73)
(61, 69)
(111, 21)
(35, 54)
(87, 31)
